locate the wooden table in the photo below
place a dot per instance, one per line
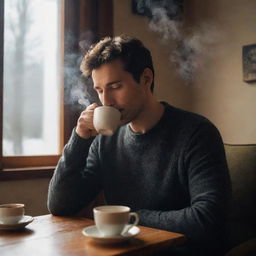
(51, 235)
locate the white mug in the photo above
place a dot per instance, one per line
(106, 119)
(11, 213)
(113, 220)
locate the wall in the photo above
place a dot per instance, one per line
(33, 193)
(218, 91)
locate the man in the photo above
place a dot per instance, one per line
(167, 164)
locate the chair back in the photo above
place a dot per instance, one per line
(242, 167)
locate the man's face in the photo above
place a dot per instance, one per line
(117, 88)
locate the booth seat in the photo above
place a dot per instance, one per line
(242, 219)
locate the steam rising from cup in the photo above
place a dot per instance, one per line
(189, 50)
(79, 92)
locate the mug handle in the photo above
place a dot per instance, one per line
(135, 223)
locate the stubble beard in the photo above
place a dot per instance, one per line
(132, 117)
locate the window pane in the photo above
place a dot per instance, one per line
(31, 124)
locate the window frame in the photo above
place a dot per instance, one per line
(95, 15)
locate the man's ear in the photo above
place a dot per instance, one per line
(147, 78)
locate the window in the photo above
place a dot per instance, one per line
(31, 81)
(31, 77)
(35, 118)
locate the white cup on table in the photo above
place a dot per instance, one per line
(11, 213)
(113, 220)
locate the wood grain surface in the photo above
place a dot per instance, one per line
(51, 235)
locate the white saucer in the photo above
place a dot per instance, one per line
(93, 233)
(21, 224)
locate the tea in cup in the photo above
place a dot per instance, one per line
(11, 213)
(106, 119)
(113, 220)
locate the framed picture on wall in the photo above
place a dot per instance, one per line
(249, 63)
(174, 8)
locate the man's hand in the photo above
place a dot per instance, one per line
(85, 128)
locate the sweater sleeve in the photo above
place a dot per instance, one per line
(76, 181)
(206, 175)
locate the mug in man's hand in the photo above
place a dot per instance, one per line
(106, 119)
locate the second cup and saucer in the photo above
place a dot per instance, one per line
(112, 224)
(12, 217)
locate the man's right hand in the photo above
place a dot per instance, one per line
(85, 127)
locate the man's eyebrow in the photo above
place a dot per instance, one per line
(108, 84)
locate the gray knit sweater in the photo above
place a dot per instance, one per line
(175, 176)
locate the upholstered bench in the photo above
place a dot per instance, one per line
(242, 220)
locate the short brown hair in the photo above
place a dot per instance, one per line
(131, 51)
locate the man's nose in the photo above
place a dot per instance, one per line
(107, 100)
